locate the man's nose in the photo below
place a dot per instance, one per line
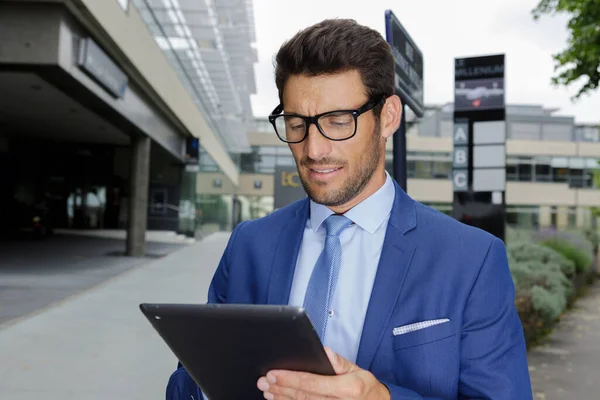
(317, 145)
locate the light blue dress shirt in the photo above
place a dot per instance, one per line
(361, 250)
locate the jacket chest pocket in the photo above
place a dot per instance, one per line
(425, 335)
(427, 360)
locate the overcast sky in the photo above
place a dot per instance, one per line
(443, 30)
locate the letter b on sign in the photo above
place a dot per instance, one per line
(461, 157)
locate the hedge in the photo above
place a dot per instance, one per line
(549, 268)
(572, 245)
(521, 252)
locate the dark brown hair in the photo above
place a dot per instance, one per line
(335, 46)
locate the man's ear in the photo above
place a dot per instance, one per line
(391, 114)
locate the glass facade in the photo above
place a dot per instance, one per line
(525, 123)
(575, 171)
(421, 165)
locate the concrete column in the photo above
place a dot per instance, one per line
(138, 196)
(545, 216)
(562, 217)
(584, 217)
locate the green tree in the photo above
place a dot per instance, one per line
(581, 58)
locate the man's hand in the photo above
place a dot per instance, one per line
(351, 382)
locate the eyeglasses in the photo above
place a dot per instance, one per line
(334, 125)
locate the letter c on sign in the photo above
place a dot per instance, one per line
(287, 179)
(460, 180)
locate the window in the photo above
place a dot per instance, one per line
(124, 4)
(553, 216)
(523, 216)
(442, 170)
(446, 128)
(525, 131)
(423, 169)
(560, 169)
(543, 169)
(572, 220)
(576, 178)
(557, 132)
(207, 164)
(411, 169)
(587, 133)
(525, 169)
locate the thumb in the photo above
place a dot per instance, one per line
(340, 364)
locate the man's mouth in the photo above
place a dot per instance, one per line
(325, 170)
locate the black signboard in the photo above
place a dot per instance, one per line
(479, 136)
(479, 83)
(409, 64)
(288, 187)
(192, 150)
(98, 65)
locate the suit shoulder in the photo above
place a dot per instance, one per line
(451, 230)
(277, 218)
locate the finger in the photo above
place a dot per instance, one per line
(277, 392)
(340, 364)
(315, 385)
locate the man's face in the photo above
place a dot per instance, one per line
(334, 173)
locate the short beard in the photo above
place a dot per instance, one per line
(353, 185)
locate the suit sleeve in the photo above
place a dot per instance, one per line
(181, 386)
(217, 292)
(493, 352)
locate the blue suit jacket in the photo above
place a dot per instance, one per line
(431, 267)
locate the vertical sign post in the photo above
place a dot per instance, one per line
(409, 86)
(479, 165)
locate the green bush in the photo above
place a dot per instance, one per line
(518, 235)
(549, 305)
(592, 236)
(573, 246)
(546, 285)
(521, 252)
(582, 259)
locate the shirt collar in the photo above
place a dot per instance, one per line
(369, 214)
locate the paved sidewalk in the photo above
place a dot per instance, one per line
(567, 366)
(97, 345)
(36, 273)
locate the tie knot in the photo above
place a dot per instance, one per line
(335, 224)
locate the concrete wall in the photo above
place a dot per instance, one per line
(541, 148)
(31, 41)
(528, 193)
(129, 33)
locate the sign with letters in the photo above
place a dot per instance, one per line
(288, 187)
(461, 133)
(460, 180)
(409, 64)
(479, 83)
(479, 138)
(98, 65)
(461, 157)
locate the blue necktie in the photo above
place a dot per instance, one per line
(321, 286)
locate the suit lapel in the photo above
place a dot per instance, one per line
(286, 256)
(394, 262)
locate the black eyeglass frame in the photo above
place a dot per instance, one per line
(369, 105)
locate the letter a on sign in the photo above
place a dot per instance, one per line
(461, 133)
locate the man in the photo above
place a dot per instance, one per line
(409, 303)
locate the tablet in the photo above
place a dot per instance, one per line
(226, 348)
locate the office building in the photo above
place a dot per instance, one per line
(551, 162)
(104, 104)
